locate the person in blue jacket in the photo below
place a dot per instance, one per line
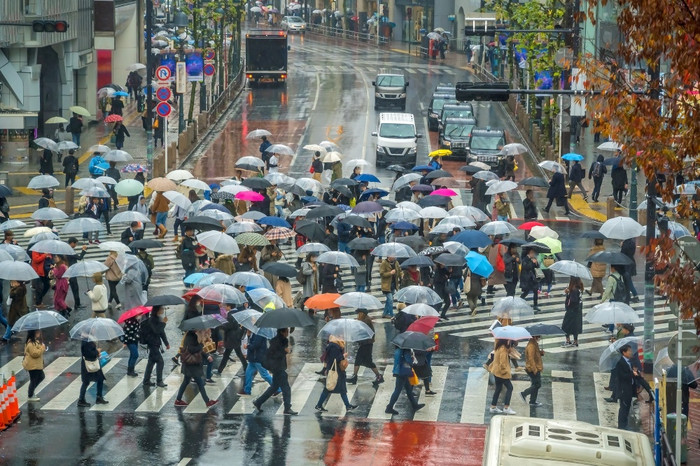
(403, 369)
(257, 350)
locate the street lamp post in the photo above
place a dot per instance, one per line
(181, 21)
(149, 86)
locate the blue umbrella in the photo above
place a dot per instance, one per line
(193, 278)
(121, 94)
(420, 168)
(368, 192)
(368, 177)
(308, 199)
(572, 157)
(472, 239)
(218, 207)
(274, 221)
(101, 167)
(404, 226)
(479, 264)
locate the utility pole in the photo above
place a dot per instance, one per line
(149, 86)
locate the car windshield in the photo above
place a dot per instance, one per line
(397, 130)
(458, 130)
(454, 113)
(390, 81)
(494, 142)
(440, 102)
(294, 19)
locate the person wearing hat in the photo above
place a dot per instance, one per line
(533, 367)
(316, 167)
(187, 255)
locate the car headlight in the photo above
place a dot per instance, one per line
(411, 150)
(381, 149)
(447, 143)
(402, 96)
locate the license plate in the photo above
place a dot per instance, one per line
(267, 80)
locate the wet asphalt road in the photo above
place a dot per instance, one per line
(328, 97)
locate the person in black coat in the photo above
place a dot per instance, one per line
(688, 381)
(192, 347)
(155, 333)
(511, 272)
(335, 354)
(629, 248)
(573, 317)
(276, 362)
(618, 177)
(626, 374)
(132, 233)
(576, 176)
(120, 133)
(528, 277)
(597, 173)
(72, 260)
(329, 273)
(233, 336)
(46, 162)
(90, 352)
(557, 190)
(529, 206)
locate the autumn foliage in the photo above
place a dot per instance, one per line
(655, 114)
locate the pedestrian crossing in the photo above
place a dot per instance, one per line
(344, 68)
(564, 396)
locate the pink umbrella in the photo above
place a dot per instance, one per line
(443, 192)
(249, 196)
(423, 325)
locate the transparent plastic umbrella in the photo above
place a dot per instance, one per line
(85, 268)
(313, 247)
(114, 246)
(512, 307)
(243, 227)
(249, 280)
(420, 310)
(611, 312)
(88, 183)
(359, 300)
(196, 184)
(338, 258)
(543, 232)
(572, 269)
(471, 212)
(397, 250)
(464, 222)
(610, 355)
(38, 320)
(222, 293)
(350, 330)
(418, 294)
(218, 242)
(82, 225)
(43, 181)
(621, 228)
(53, 246)
(16, 252)
(96, 329)
(12, 224)
(128, 217)
(497, 227)
(49, 213)
(215, 278)
(15, 270)
(402, 215)
(247, 319)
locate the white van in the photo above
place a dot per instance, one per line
(396, 139)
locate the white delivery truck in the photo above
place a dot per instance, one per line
(396, 139)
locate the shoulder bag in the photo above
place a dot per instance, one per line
(92, 366)
(332, 377)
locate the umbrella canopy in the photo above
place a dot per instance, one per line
(433, 212)
(552, 166)
(134, 312)
(117, 156)
(179, 175)
(349, 330)
(86, 268)
(424, 324)
(53, 246)
(368, 178)
(593, 235)
(314, 247)
(472, 239)
(513, 148)
(432, 201)
(450, 260)
(534, 181)
(45, 235)
(420, 309)
(16, 252)
(146, 243)
(81, 225)
(196, 184)
(527, 226)
(80, 110)
(572, 269)
(324, 211)
(38, 320)
(15, 270)
(393, 249)
(315, 148)
(438, 174)
(222, 293)
(96, 329)
(161, 184)
(355, 220)
(274, 221)
(621, 228)
(178, 199)
(284, 318)
(332, 157)
(612, 312)
(203, 223)
(279, 269)
(401, 214)
(128, 187)
(134, 168)
(114, 246)
(252, 239)
(247, 319)
(497, 227)
(243, 227)
(165, 300)
(543, 232)
(358, 300)
(446, 227)
(341, 259)
(278, 233)
(46, 143)
(541, 330)
(95, 192)
(322, 301)
(250, 160)
(501, 187)
(510, 332)
(218, 242)
(610, 146)
(415, 242)
(418, 294)
(512, 307)
(249, 280)
(363, 244)
(367, 207)
(473, 213)
(404, 180)
(12, 224)
(479, 264)
(66, 145)
(610, 355)
(42, 181)
(55, 120)
(214, 278)
(202, 322)
(280, 149)
(554, 245)
(422, 188)
(417, 261)
(610, 257)
(258, 133)
(256, 183)
(405, 226)
(311, 230)
(129, 216)
(486, 175)
(413, 340)
(572, 157)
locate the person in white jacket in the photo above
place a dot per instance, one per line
(98, 296)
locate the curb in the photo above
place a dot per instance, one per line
(582, 207)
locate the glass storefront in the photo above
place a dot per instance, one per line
(416, 15)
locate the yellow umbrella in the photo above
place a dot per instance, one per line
(440, 153)
(80, 110)
(56, 119)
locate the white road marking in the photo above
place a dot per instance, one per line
(381, 398)
(303, 386)
(51, 373)
(214, 390)
(563, 401)
(71, 393)
(432, 403)
(474, 405)
(122, 389)
(607, 412)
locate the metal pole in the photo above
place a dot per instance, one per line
(649, 273)
(165, 142)
(679, 387)
(561, 124)
(149, 86)
(633, 191)
(657, 425)
(379, 10)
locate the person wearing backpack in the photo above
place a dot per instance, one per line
(276, 362)
(151, 333)
(576, 176)
(615, 288)
(597, 173)
(70, 167)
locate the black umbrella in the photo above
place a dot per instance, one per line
(203, 223)
(470, 169)
(386, 203)
(201, 322)
(344, 190)
(438, 174)
(593, 235)
(418, 261)
(280, 269)
(363, 244)
(284, 318)
(397, 168)
(5, 190)
(344, 182)
(248, 166)
(256, 183)
(429, 201)
(450, 260)
(292, 189)
(145, 244)
(414, 242)
(165, 300)
(423, 188)
(610, 257)
(413, 340)
(535, 181)
(324, 211)
(311, 230)
(223, 195)
(513, 241)
(432, 250)
(544, 329)
(357, 221)
(537, 247)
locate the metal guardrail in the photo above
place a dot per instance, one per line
(340, 33)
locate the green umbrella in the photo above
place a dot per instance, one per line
(553, 244)
(129, 187)
(252, 239)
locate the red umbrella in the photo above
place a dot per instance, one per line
(134, 312)
(249, 196)
(529, 225)
(423, 325)
(113, 118)
(192, 293)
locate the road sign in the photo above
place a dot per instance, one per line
(180, 77)
(163, 109)
(209, 54)
(163, 73)
(163, 93)
(208, 69)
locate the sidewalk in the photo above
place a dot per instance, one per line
(24, 201)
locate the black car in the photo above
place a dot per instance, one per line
(455, 110)
(485, 145)
(435, 107)
(455, 136)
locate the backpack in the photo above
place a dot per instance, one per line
(301, 278)
(597, 170)
(144, 333)
(500, 263)
(621, 293)
(178, 250)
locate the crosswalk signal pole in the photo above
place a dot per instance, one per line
(149, 87)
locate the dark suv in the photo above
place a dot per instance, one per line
(458, 110)
(455, 136)
(435, 108)
(485, 145)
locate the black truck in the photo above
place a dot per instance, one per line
(266, 56)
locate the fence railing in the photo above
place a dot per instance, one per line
(340, 33)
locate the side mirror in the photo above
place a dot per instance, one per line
(374, 133)
(289, 47)
(373, 83)
(406, 83)
(418, 136)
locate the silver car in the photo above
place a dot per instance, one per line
(293, 24)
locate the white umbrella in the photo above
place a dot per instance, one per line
(104, 179)
(538, 232)
(114, 246)
(218, 242)
(482, 165)
(12, 224)
(309, 184)
(497, 227)
(393, 249)
(179, 175)
(88, 183)
(86, 268)
(279, 178)
(196, 184)
(511, 332)
(118, 156)
(313, 247)
(358, 300)
(66, 145)
(552, 166)
(128, 217)
(331, 157)
(43, 181)
(135, 67)
(402, 215)
(243, 227)
(621, 228)
(433, 212)
(81, 225)
(43, 236)
(257, 133)
(96, 329)
(280, 149)
(35, 231)
(99, 148)
(250, 160)
(49, 213)
(514, 148)
(338, 258)
(418, 294)
(16, 252)
(404, 180)
(464, 222)
(46, 143)
(485, 175)
(512, 307)
(572, 269)
(217, 214)
(612, 312)
(610, 146)
(420, 309)
(501, 187)
(16, 270)
(222, 293)
(247, 319)
(353, 163)
(316, 148)
(350, 330)
(409, 205)
(471, 212)
(53, 246)
(178, 199)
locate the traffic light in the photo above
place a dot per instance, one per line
(496, 92)
(49, 26)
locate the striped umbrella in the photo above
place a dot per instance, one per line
(280, 233)
(252, 239)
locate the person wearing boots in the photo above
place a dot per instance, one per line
(90, 355)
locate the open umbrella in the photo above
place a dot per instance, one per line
(56, 120)
(417, 261)
(341, 259)
(117, 246)
(278, 233)
(612, 312)
(404, 180)
(247, 319)
(473, 213)
(611, 355)
(146, 243)
(179, 175)
(527, 226)
(249, 280)
(400, 214)
(243, 227)
(510, 332)
(418, 294)
(252, 239)
(501, 187)
(368, 178)
(218, 242)
(42, 181)
(202, 322)
(66, 145)
(161, 184)
(100, 149)
(214, 278)
(413, 340)
(472, 239)
(424, 324)
(534, 181)
(279, 269)
(420, 309)
(128, 187)
(118, 156)
(572, 269)
(543, 232)
(16, 252)
(165, 300)
(12, 224)
(450, 260)
(15, 270)
(311, 230)
(362, 244)
(572, 157)
(283, 318)
(513, 148)
(554, 245)
(38, 320)
(53, 246)
(86, 268)
(222, 293)
(393, 249)
(134, 312)
(621, 228)
(96, 329)
(315, 148)
(203, 223)
(331, 157)
(497, 227)
(367, 207)
(81, 225)
(46, 143)
(274, 221)
(178, 199)
(479, 264)
(258, 133)
(80, 110)
(610, 257)
(486, 175)
(541, 330)
(552, 166)
(313, 247)
(610, 146)
(512, 307)
(280, 149)
(322, 301)
(358, 300)
(350, 330)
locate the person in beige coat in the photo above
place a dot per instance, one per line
(33, 362)
(224, 262)
(98, 296)
(500, 368)
(113, 276)
(283, 288)
(598, 269)
(533, 367)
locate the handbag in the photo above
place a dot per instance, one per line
(539, 274)
(332, 377)
(344, 365)
(92, 366)
(189, 358)
(413, 379)
(468, 283)
(113, 139)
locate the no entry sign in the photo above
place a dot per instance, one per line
(163, 109)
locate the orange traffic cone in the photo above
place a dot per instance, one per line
(14, 403)
(4, 418)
